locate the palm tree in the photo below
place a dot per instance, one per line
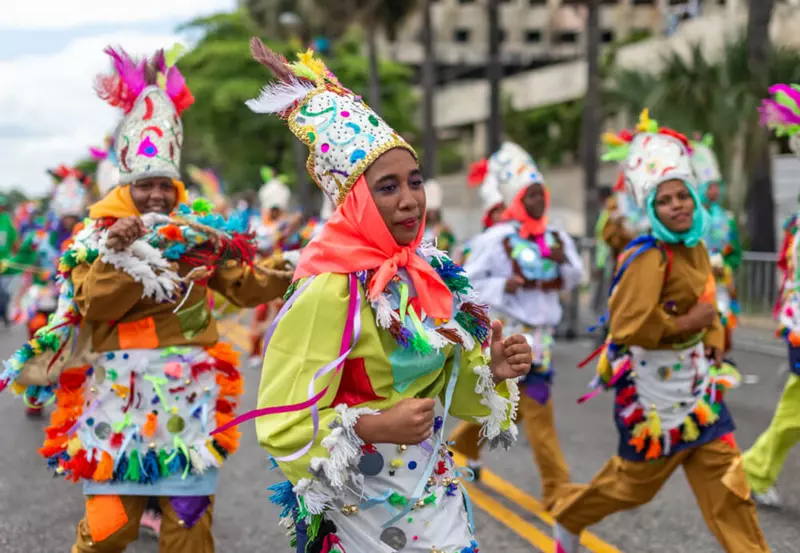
(591, 114)
(761, 208)
(494, 70)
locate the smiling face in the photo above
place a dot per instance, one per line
(674, 205)
(154, 195)
(395, 181)
(533, 200)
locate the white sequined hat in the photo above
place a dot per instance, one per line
(152, 93)
(343, 134)
(514, 169)
(704, 161)
(655, 158)
(274, 193)
(72, 193)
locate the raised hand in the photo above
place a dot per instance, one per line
(511, 357)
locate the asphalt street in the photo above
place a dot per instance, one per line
(39, 513)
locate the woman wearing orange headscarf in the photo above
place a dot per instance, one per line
(378, 327)
(519, 267)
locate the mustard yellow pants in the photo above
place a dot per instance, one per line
(537, 421)
(763, 462)
(112, 522)
(714, 471)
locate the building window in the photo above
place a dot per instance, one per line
(644, 2)
(461, 35)
(538, 2)
(567, 37)
(533, 36)
(503, 34)
(466, 1)
(607, 36)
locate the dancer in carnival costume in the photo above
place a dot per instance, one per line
(519, 267)
(377, 326)
(662, 357)
(722, 237)
(436, 230)
(493, 203)
(148, 379)
(8, 243)
(625, 219)
(764, 460)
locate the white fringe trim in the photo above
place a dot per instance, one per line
(500, 408)
(344, 447)
(280, 96)
(428, 250)
(316, 499)
(146, 265)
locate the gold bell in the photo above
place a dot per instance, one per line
(447, 481)
(151, 445)
(402, 448)
(350, 509)
(431, 481)
(187, 381)
(454, 481)
(182, 523)
(93, 390)
(419, 504)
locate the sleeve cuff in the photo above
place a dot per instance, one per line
(498, 426)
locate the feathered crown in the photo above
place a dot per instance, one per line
(152, 94)
(649, 156)
(343, 134)
(781, 113)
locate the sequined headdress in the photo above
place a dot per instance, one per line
(704, 161)
(505, 173)
(152, 94)
(649, 157)
(781, 113)
(274, 192)
(107, 175)
(72, 193)
(343, 134)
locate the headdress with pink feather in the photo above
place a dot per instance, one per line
(152, 94)
(781, 113)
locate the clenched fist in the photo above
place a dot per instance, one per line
(409, 422)
(125, 232)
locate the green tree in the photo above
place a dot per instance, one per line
(221, 132)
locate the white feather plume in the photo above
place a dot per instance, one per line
(280, 96)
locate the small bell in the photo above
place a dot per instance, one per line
(419, 504)
(402, 448)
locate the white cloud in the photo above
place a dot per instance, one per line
(50, 113)
(61, 14)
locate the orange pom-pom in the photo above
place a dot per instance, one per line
(223, 351)
(150, 425)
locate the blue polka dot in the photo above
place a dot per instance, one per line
(90, 421)
(357, 156)
(110, 355)
(125, 355)
(412, 465)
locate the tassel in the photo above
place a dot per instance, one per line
(197, 462)
(283, 496)
(704, 414)
(151, 469)
(654, 423)
(177, 464)
(637, 442)
(654, 451)
(122, 467)
(133, 472)
(690, 430)
(105, 468)
(230, 387)
(150, 425)
(162, 463)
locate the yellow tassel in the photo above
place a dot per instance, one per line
(654, 423)
(74, 446)
(690, 430)
(17, 388)
(640, 430)
(604, 369)
(105, 468)
(214, 452)
(705, 415)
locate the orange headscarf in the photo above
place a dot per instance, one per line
(355, 238)
(118, 203)
(531, 227)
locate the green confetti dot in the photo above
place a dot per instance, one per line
(410, 520)
(373, 120)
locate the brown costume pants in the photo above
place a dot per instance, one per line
(537, 421)
(112, 522)
(715, 473)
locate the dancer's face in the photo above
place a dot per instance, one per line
(712, 192)
(533, 200)
(395, 181)
(154, 195)
(674, 205)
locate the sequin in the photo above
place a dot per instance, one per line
(394, 537)
(371, 464)
(102, 430)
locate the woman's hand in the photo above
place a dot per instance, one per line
(408, 422)
(557, 254)
(717, 355)
(512, 357)
(513, 284)
(699, 317)
(125, 232)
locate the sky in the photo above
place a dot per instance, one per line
(50, 53)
